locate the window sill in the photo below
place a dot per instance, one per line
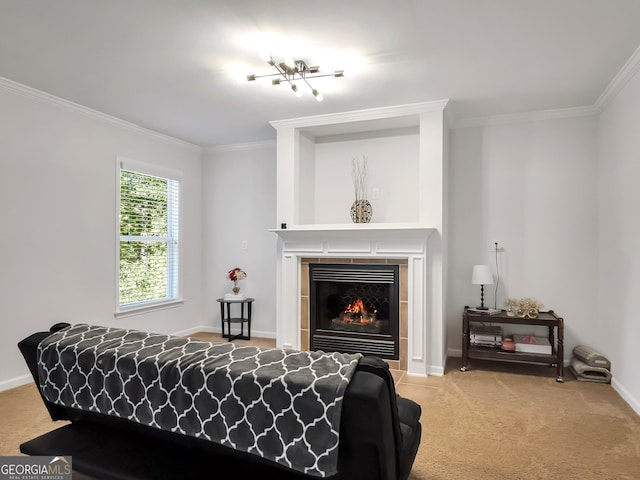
(146, 308)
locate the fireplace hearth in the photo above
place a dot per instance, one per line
(354, 308)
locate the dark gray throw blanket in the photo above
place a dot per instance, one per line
(283, 405)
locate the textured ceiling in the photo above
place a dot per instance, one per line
(169, 65)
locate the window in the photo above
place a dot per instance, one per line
(149, 232)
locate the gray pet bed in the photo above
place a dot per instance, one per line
(591, 357)
(587, 373)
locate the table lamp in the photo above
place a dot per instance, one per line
(482, 276)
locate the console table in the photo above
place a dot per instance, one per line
(554, 323)
(245, 316)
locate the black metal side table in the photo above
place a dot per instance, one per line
(245, 316)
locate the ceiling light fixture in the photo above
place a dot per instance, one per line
(292, 71)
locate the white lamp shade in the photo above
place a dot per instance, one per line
(482, 275)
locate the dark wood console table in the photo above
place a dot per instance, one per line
(549, 319)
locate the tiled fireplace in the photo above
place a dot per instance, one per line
(405, 146)
(419, 332)
(354, 307)
(364, 311)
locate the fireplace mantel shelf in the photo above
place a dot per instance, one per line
(356, 240)
(354, 230)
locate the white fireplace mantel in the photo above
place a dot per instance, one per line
(368, 241)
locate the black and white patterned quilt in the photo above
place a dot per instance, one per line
(283, 405)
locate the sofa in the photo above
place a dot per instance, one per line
(115, 432)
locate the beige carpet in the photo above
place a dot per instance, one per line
(500, 421)
(508, 421)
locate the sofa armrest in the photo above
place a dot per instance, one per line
(367, 440)
(29, 349)
(405, 416)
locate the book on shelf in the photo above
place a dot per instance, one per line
(484, 344)
(485, 339)
(234, 296)
(493, 330)
(485, 335)
(532, 344)
(484, 311)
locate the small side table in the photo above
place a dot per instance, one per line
(225, 315)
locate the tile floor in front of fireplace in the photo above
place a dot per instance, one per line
(415, 388)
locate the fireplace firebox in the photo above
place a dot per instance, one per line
(354, 308)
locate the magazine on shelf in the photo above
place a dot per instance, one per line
(486, 311)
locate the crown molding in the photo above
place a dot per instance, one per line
(240, 147)
(526, 117)
(360, 115)
(40, 96)
(625, 74)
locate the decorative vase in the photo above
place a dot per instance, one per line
(361, 211)
(236, 288)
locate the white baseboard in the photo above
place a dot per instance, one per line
(15, 382)
(192, 330)
(626, 396)
(454, 352)
(210, 329)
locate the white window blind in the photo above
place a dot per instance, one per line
(149, 233)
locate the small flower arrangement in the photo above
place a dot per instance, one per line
(510, 305)
(525, 307)
(530, 307)
(235, 275)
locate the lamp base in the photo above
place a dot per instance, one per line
(482, 308)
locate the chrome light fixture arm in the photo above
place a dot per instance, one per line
(298, 71)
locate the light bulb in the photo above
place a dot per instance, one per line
(264, 55)
(289, 62)
(318, 95)
(296, 90)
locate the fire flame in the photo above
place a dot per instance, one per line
(357, 312)
(356, 307)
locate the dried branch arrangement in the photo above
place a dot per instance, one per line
(359, 173)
